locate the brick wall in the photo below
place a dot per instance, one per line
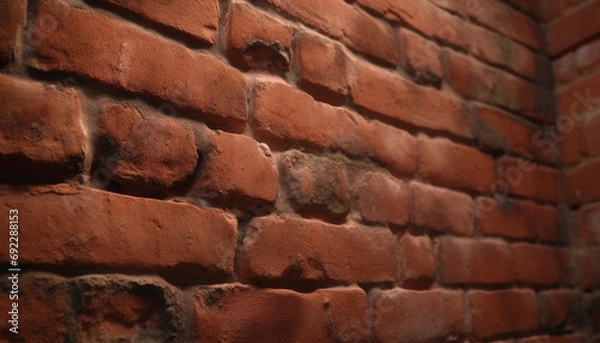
(301, 171)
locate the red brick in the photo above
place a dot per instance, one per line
(437, 163)
(547, 10)
(500, 130)
(556, 308)
(591, 127)
(475, 80)
(536, 265)
(385, 94)
(529, 180)
(239, 313)
(442, 210)
(565, 68)
(198, 19)
(548, 224)
(237, 171)
(315, 186)
(43, 304)
(305, 122)
(586, 264)
(567, 264)
(510, 218)
(417, 316)
(96, 229)
(340, 20)
(137, 61)
(588, 225)
(12, 20)
(143, 155)
(256, 40)
(382, 199)
(424, 17)
(495, 313)
(420, 58)
(588, 55)
(323, 68)
(417, 266)
(574, 28)
(502, 51)
(42, 135)
(514, 24)
(571, 145)
(580, 98)
(291, 249)
(118, 309)
(468, 261)
(582, 185)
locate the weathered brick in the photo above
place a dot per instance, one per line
(495, 313)
(442, 210)
(143, 155)
(291, 249)
(489, 13)
(571, 146)
(548, 224)
(515, 24)
(42, 137)
(437, 163)
(420, 58)
(237, 171)
(424, 17)
(510, 218)
(382, 199)
(315, 186)
(587, 268)
(340, 20)
(556, 308)
(256, 40)
(582, 185)
(468, 261)
(528, 179)
(117, 309)
(588, 225)
(474, 80)
(417, 316)
(92, 45)
(499, 130)
(325, 315)
(305, 122)
(12, 21)
(587, 56)
(323, 68)
(574, 28)
(96, 229)
(385, 94)
(565, 68)
(198, 19)
(43, 304)
(579, 99)
(536, 265)
(591, 127)
(416, 262)
(502, 51)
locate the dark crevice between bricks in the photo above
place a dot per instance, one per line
(267, 56)
(20, 170)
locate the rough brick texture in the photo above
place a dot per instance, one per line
(42, 131)
(369, 171)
